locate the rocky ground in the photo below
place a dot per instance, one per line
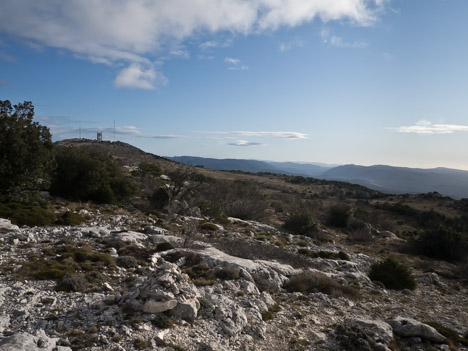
(120, 282)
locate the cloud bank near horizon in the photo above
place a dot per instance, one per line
(281, 135)
(426, 127)
(135, 32)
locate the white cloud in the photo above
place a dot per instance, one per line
(180, 53)
(137, 77)
(334, 40)
(290, 45)
(281, 135)
(245, 143)
(137, 31)
(426, 127)
(208, 45)
(235, 64)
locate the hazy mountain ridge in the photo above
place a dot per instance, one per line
(389, 179)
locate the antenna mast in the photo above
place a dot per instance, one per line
(114, 129)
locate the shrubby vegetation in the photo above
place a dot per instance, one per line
(310, 282)
(392, 274)
(339, 215)
(84, 175)
(241, 199)
(301, 223)
(442, 243)
(26, 149)
(30, 215)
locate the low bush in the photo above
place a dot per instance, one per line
(450, 334)
(227, 273)
(126, 262)
(312, 282)
(160, 198)
(206, 308)
(148, 168)
(64, 260)
(21, 214)
(165, 246)
(208, 226)
(70, 218)
(301, 223)
(339, 215)
(392, 274)
(442, 243)
(162, 321)
(74, 282)
(85, 175)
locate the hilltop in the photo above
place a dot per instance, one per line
(198, 259)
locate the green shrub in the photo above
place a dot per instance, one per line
(450, 334)
(339, 215)
(227, 273)
(442, 243)
(148, 168)
(159, 198)
(392, 274)
(301, 223)
(22, 214)
(70, 218)
(162, 321)
(312, 282)
(86, 175)
(26, 148)
(165, 246)
(211, 227)
(126, 262)
(206, 308)
(69, 283)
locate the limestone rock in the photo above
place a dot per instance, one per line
(5, 224)
(28, 342)
(186, 310)
(408, 327)
(152, 306)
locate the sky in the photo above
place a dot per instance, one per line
(334, 81)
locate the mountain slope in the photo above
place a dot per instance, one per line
(449, 182)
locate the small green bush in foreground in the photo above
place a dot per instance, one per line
(392, 274)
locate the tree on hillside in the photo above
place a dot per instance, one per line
(26, 148)
(87, 175)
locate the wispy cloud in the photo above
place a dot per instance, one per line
(99, 30)
(180, 53)
(6, 57)
(205, 57)
(208, 45)
(136, 76)
(129, 131)
(4, 82)
(426, 127)
(281, 135)
(334, 40)
(245, 143)
(283, 47)
(235, 64)
(61, 120)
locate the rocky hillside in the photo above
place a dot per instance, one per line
(188, 276)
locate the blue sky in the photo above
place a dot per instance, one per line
(345, 81)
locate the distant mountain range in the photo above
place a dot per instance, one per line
(387, 179)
